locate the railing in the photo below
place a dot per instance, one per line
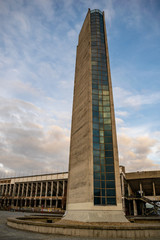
(96, 10)
(155, 208)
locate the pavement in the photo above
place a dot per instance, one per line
(8, 233)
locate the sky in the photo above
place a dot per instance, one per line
(38, 42)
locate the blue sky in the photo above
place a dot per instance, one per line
(38, 42)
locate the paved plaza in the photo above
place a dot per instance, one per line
(7, 233)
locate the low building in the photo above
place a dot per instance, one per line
(36, 193)
(140, 192)
(47, 192)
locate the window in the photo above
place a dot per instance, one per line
(111, 201)
(106, 114)
(96, 160)
(96, 168)
(110, 184)
(109, 153)
(97, 192)
(97, 175)
(108, 139)
(108, 147)
(107, 121)
(97, 201)
(103, 162)
(110, 176)
(109, 161)
(95, 132)
(109, 168)
(97, 184)
(95, 108)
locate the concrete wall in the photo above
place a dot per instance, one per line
(80, 181)
(131, 231)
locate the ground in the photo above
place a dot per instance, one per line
(7, 233)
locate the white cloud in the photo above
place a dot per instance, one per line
(126, 98)
(122, 113)
(29, 141)
(5, 171)
(22, 22)
(109, 12)
(119, 121)
(137, 146)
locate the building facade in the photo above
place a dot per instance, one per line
(140, 192)
(47, 193)
(38, 193)
(93, 163)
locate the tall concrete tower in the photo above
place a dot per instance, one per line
(94, 193)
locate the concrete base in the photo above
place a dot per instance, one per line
(86, 230)
(95, 216)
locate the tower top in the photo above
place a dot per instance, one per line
(96, 10)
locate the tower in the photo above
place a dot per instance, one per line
(94, 193)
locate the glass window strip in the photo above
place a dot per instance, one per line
(102, 130)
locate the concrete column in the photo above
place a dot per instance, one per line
(46, 189)
(10, 188)
(36, 194)
(41, 189)
(27, 189)
(6, 190)
(18, 194)
(19, 185)
(46, 192)
(135, 207)
(31, 190)
(2, 189)
(25, 203)
(13, 194)
(22, 189)
(123, 191)
(63, 188)
(40, 199)
(51, 188)
(50, 202)
(57, 189)
(40, 202)
(154, 189)
(13, 190)
(141, 190)
(129, 190)
(57, 194)
(51, 194)
(36, 189)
